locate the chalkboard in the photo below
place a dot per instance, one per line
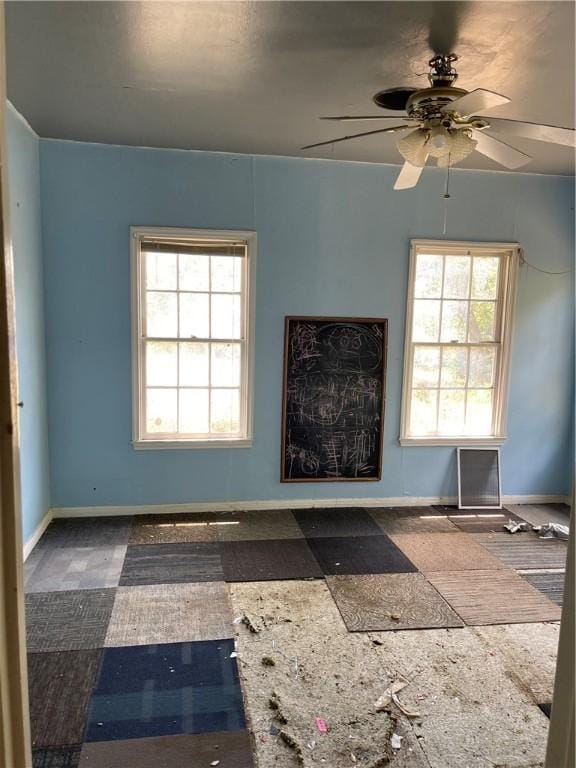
(333, 404)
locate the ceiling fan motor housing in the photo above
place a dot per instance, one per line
(427, 103)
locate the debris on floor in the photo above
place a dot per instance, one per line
(552, 531)
(320, 693)
(513, 526)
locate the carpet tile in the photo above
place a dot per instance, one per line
(50, 569)
(67, 621)
(170, 613)
(411, 520)
(60, 685)
(445, 552)
(360, 555)
(550, 584)
(160, 690)
(485, 522)
(171, 563)
(338, 521)
(87, 532)
(171, 529)
(57, 757)
(390, 601)
(231, 748)
(268, 560)
(253, 525)
(493, 597)
(524, 551)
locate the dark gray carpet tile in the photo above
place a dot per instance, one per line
(452, 509)
(68, 621)
(171, 563)
(268, 560)
(87, 532)
(337, 521)
(550, 584)
(359, 555)
(52, 569)
(60, 685)
(57, 757)
(227, 749)
(524, 551)
(173, 528)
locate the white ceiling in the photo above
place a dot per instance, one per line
(255, 76)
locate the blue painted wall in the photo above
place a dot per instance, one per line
(333, 239)
(25, 222)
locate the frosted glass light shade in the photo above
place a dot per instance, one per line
(410, 147)
(460, 145)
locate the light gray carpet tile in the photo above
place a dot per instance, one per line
(390, 601)
(170, 613)
(173, 528)
(51, 569)
(67, 621)
(412, 520)
(539, 514)
(524, 551)
(255, 525)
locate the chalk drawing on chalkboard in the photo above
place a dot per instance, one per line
(333, 404)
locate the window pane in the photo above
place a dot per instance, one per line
(454, 320)
(479, 412)
(423, 412)
(225, 365)
(428, 276)
(481, 367)
(161, 317)
(225, 317)
(194, 364)
(451, 412)
(193, 414)
(482, 321)
(225, 411)
(227, 273)
(194, 315)
(426, 367)
(161, 271)
(161, 364)
(193, 272)
(161, 410)
(456, 277)
(485, 277)
(454, 362)
(426, 321)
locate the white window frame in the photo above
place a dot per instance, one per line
(142, 440)
(505, 305)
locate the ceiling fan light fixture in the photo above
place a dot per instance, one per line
(460, 145)
(410, 147)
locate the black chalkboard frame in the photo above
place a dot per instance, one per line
(288, 320)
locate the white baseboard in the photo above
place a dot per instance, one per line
(236, 506)
(41, 527)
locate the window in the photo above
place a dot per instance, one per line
(458, 330)
(192, 337)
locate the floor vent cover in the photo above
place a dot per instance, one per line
(479, 478)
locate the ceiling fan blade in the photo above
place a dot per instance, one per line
(550, 133)
(475, 101)
(358, 135)
(499, 151)
(409, 175)
(341, 118)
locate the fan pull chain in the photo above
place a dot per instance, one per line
(446, 196)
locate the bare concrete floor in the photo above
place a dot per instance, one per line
(475, 688)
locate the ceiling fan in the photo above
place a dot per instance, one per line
(447, 124)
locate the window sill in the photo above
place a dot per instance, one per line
(406, 442)
(186, 445)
